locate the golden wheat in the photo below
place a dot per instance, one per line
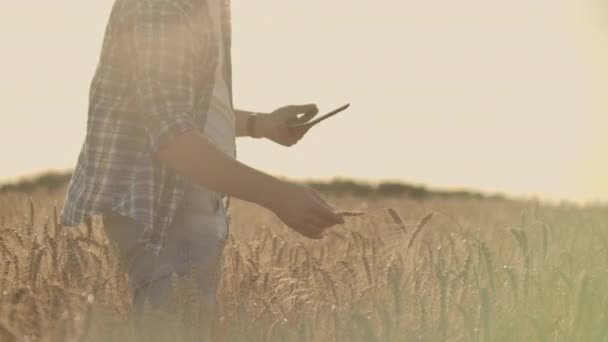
(482, 270)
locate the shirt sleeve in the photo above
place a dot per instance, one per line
(163, 59)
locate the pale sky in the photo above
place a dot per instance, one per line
(506, 96)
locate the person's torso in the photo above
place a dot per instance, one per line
(116, 169)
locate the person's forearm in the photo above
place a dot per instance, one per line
(193, 156)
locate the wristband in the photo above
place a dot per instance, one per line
(251, 120)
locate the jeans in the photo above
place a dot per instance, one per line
(194, 241)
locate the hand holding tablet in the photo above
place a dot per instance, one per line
(312, 123)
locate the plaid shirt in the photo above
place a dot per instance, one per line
(154, 81)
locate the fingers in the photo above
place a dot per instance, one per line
(309, 111)
(321, 199)
(310, 227)
(311, 232)
(292, 137)
(298, 131)
(314, 226)
(320, 223)
(306, 108)
(309, 215)
(327, 212)
(329, 216)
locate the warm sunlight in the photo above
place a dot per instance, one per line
(506, 96)
(181, 183)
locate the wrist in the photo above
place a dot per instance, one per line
(251, 125)
(261, 125)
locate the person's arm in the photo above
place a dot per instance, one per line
(193, 156)
(299, 207)
(165, 70)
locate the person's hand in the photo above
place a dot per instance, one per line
(303, 210)
(275, 126)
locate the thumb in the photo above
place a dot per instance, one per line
(336, 218)
(309, 111)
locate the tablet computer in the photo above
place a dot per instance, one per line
(321, 118)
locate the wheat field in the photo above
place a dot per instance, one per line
(433, 269)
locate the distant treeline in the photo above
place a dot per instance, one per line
(52, 181)
(350, 187)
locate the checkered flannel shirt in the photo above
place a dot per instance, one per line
(153, 82)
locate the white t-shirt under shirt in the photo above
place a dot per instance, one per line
(207, 209)
(220, 124)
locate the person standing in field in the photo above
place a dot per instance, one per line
(158, 161)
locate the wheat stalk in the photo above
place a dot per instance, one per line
(419, 227)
